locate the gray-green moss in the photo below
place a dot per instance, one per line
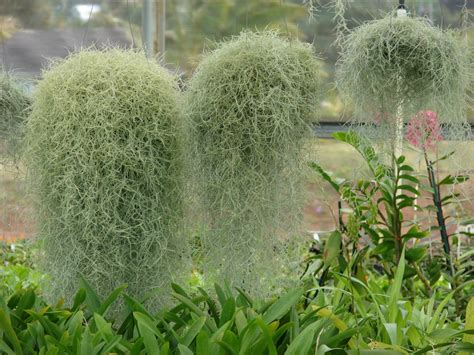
(105, 158)
(251, 103)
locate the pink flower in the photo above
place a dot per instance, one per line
(424, 130)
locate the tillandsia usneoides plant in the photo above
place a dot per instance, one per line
(251, 102)
(392, 68)
(14, 107)
(105, 157)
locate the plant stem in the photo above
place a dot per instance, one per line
(422, 278)
(439, 213)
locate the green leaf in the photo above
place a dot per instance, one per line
(469, 321)
(92, 298)
(415, 254)
(282, 306)
(183, 350)
(395, 290)
(409, 188)
(79, 298)
(5, 348)
(406, 168)
(409, 178)
(391, 329)
(325, 175)
(110, 299)
(203, 346)
(452, 180)
(6, 326)
(267, 335)
(434, 320)
(193, 331)
(227, 311)
(147, 330)
(332, 248)
(302, 343)
(400, 159)
(86, 343)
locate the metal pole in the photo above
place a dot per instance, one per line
(160, 27)
(149, 28)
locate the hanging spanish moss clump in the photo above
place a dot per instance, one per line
(398, 66)
(14, 107)
(105, 154)
(251, 103)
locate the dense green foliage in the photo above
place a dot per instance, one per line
(251, 103)
(404, 62)
(17, 269)
(374, 222)
(198, 324)
(14, 106)
(105, 157)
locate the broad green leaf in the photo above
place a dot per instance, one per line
(395, 290)
(409, 188)
(195, 309)
(147, 330)
(5, 348)
(434, 320)
(193, 331)
(227, 311)
(184, 350)
(283, 305)
(86, 343)
(303, 342)
(416, 254)
(110, 299)
(203, 345)
(267, 333)
(79, 298)
(469, 338)
(391, 329)
(240, 321)
(332, 248)
(92, 298)
(103, 327)
(6, 326)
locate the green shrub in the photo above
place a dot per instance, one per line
(251, 103)
(243, 326)
(404, 61)
(14, 106)
(106, 164)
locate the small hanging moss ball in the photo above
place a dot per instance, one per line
(404, 62)
(14, 107)
(251, 103)
(106, 161)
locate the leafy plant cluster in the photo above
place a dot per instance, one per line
(17, 270)
(229, 324)
(373, 224)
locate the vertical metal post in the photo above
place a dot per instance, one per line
(149, 27)
(160, 27)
